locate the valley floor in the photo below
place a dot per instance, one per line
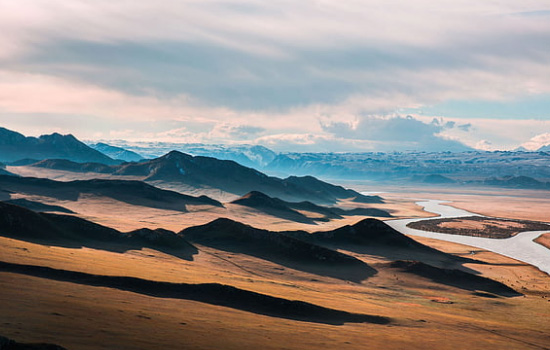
(423, 314)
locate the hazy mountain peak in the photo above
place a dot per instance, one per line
(15, 146)
(10, 137)
(117, 152)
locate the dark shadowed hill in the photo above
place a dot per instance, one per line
(304, 251)
(456, 278)
(21, 223)
(321, 187)
(232, 236)
(229, 176)
(367, 232)
(67, 165)
(38, 206)
(290, 210)
(159, 238)
(226, 175)
(71, 231)
(14, 146)
(271, 206)
(132, 192)
(9, 344)
(375, 237)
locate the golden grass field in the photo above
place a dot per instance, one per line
(424, 314)
(84, 317)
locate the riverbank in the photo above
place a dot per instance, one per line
(479, 226)
(520, 247)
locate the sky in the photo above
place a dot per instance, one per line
(306, 75)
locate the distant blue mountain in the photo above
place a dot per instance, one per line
(117, 152)
(254, 156)
(15, 146)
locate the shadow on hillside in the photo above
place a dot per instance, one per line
(211, 293)
(456, 278)
(429, 254)
(348, 268)
(131, 192)
(185, 252)
(38, 206)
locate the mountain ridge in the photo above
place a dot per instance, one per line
(291, 210)
(117, 152)
(15, 146)
(129, 191)
(211, 173)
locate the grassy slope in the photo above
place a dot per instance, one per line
(72, 315)
(83, 317)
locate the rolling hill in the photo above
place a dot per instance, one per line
(71, 231)
(132, 192)
(228, 235)
(294, 210)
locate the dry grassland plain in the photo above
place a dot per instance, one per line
(423, 313)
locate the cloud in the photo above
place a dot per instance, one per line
(250, 55)
(484, 145)
(537, 142)
(239, 132)
(505, 134)
(402, 132)
(384, 129)
(465, 127)
(314, 143)
(245, 70)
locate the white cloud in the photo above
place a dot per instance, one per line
(484, 145)
(303, 74)
(402, 133)
(314, 143)
(506, 134)
(537, 142)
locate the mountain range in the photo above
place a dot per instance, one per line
(117, 152)
(225, 175)
(462, 167)
(254, 156)
(14, 146)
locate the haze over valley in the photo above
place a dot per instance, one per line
(211, 240)
(243, 174)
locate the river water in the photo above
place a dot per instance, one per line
(520, 247)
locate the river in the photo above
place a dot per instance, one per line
(520, 247)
